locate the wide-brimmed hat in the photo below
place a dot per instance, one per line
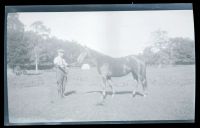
(60, 50)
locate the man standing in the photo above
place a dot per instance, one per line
(61, 72)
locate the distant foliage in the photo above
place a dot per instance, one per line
(35, 48)
(17, 45)
(169, 51)
(183, 51)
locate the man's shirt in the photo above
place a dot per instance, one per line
(59, 61)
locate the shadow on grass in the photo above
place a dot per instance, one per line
(118, 93)
(100, 104)
(69, 93)
(138, 93)
(33, 73)
(28, 86)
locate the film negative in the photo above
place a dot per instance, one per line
(99, 64)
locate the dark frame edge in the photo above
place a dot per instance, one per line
(6, 119)
(100, 7)
(6, 113)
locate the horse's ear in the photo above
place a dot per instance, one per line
(86, 49)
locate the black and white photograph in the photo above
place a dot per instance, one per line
(90, 66)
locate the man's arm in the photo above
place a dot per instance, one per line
(62, 69)
(56, 64)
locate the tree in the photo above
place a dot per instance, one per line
(160, 39)
(39, 28)
(16, 43)
(183, 50)
(161, 43)
(41, 33)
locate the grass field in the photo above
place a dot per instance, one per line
(171, 96)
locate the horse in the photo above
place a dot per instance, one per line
(109, 67)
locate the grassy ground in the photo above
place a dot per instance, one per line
(171, 95)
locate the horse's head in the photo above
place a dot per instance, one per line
(84, 55)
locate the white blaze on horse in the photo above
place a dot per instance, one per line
(109, 67)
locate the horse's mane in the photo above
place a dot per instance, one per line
(97, 54)
(101, 55)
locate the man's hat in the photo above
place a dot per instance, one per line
(60, 50)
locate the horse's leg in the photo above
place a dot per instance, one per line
(136, 77)
(104, 81)
(110, 83)
(144, 81)
(144, 87)
(136, 90)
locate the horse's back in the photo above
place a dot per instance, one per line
(116, 67)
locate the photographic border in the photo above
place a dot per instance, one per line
(92, 7)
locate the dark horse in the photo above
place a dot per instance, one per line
(109, 67)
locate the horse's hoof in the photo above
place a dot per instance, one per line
(102, 99)
(112, 95)
(103, 96)
(134, 93)
(145, 94)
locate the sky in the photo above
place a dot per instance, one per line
(115, 33)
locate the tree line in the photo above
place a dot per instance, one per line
(169, 50)
(35, 49)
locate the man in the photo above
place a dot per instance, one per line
(61, 72)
